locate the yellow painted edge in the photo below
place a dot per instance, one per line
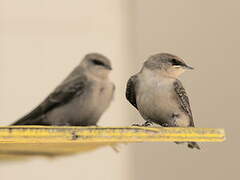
(92, 134)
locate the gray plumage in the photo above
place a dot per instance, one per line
(80, 99)
(158, 95)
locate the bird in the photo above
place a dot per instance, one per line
(80, 99)
(158, 95)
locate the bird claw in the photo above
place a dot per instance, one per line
(146, 124)
(165, 125)
(136, 124)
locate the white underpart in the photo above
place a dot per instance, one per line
(156, 98)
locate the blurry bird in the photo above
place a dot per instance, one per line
(158, 95)
(80, 99)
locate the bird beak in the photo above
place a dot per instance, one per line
(188, 67)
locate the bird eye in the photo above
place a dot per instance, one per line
(175, 62)
(97, 62)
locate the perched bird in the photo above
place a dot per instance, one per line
(158, 95)
(80, 99)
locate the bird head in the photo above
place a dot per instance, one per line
(167, 64)
(97, 64)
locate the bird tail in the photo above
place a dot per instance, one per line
(28, 121)
(21, 122)
(193, 145)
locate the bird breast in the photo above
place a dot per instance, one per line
(85, 109)
(155, 98)
(98, 101)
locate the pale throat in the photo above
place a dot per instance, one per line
(99, 74)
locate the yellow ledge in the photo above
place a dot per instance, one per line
(52, 141)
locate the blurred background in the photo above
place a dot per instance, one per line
(41, 41)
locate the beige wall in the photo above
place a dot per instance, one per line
(206, 34)
(41, 41)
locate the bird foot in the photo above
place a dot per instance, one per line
(136, 124)
(146, 124)
(165, 125)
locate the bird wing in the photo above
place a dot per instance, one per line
(183, 100)
(60, 96)
(131, 91)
